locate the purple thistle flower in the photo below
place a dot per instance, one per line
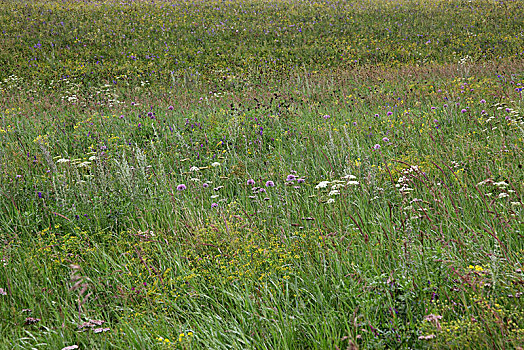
(270, 184)
(389, 113)
(205, 185)
(291, 177)
(385, 139)
(214, 205)
(377, 115)
(300, 181)
(170, 108)
(483, 101)
(463, 110)
(376, 147)
(181, 187)
(250, 182)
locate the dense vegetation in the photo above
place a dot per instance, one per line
(261, 174)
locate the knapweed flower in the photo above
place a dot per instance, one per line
(376, 147)
(327, 116)
(291, 177)
(270, 184)
(205, 185)
(170, 108)
(214, 205)
(389, 113)
(385, 139)
(181, 187)
(377, 115)
(250, 182)
(301, 181)
(463, 110)
(483, 101)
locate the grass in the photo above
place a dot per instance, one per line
(331, 176)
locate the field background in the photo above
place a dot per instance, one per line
(261, 174)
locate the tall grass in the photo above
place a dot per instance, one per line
(310, 201)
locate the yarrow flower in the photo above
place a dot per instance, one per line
(270, 184)
(194, 168)
(181, 187)
(322, 184)
(215, 164)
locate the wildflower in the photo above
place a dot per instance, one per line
(218, 188)
(377, 115)
(291, 177)
(463, 110)
(385, 139)
(194, 168)
(327, 116)
(170, 108)
(215, 164)
(261, 190)
(445, 106)
(483, 101)
(300, 181)
(349, 177)
(500, 184)
(2, 292)
(250, 182)
(503, 195)
(205, 185)
(214, 205)
(389, 113)
(427, 337)
(270, 184)
(181, 187)
(334, 193)
(63, 160)
(330, 200)
(376, 147)
(337, 186)
(70, 347)
(40, 195)
(322, 184)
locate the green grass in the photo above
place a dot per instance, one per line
(400, 224)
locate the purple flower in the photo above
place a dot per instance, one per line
(170, 108)
(149, 114)
(291, 177)
(214, 205)
(327, 116)
(445, 106)
(385, 139)
(250, 182)
(377, 115)
(483, 101)
(181, 187)
(300, 181)
(270, 184)
(433, 107)
(261, 190)
(483, 112)
(463, 110)
(376, 147)
(389, 113)
(40, 195)
(205, 185)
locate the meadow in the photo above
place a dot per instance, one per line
(261, 174)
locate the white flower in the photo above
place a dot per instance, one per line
(93, 158)
(334, 193)
(322, 184)
(353, 182)
(515, 203)
(215, 164)
(337, 186)
(500, 184)
(63, 160)
(330, 200)
(195, 179)
(83, 164)
(215, 196)
(349, 177)
(503, 195)
(194, 168)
